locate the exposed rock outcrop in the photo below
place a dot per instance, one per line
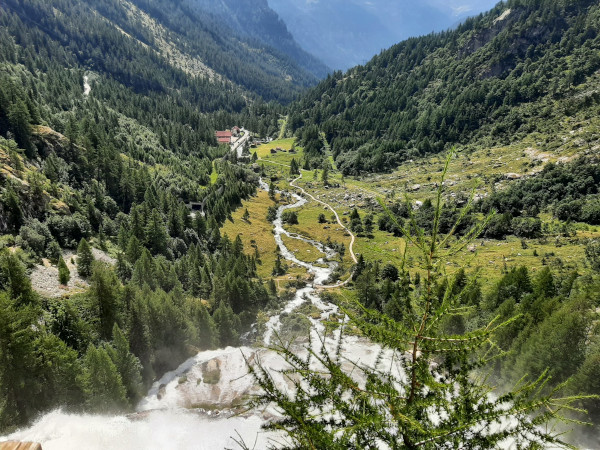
(47, 141)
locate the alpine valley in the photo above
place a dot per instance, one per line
(209, 239)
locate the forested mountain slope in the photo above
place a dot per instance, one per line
(153, 45)
(255, 19)
(516, 70)
(104, 138)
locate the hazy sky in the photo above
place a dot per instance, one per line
(344, 33)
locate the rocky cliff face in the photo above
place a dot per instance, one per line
(519, 44)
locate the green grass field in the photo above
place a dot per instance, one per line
(257, 231)
(302, 250)
(477, 170)
(214, 176)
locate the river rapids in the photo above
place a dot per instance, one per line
(197, 405)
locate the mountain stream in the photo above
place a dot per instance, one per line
(197, 405)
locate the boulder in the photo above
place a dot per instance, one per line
(512, 176)
(162, 390)
(211, 372)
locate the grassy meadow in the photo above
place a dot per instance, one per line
(478, 170)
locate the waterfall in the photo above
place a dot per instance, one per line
(196, 406)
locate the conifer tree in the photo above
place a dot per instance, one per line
(368, 225)
(18, 387)
(85, 258)
(144, 271)
(105, 293)
(19, 118)
(18, 284)
(272, 192)
(272, 287)
(206, 328)
(64, 274)
(156, 234)
(325, 174)
(53, 251)
(227, 325)
(271, 213)
(133, 250)
(128, 365)
(12, 205)
(294, 169)
(71, 132)
(123, 268)
(104, 386)
(433, 399)
(136, 221)
(279, 268)
(140, 336)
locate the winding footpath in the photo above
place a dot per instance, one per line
(337, 217)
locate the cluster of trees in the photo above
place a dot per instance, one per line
(361, 226)
(487, 81)
(290, 217)
(441, 335)
(424, 215)
(314, 150)
(554, 328)
(570, 191)
(101, 350)
(140, 61)
(119, 176)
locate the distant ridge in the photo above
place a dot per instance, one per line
(255, 19)
(344, 33)
(520, 69)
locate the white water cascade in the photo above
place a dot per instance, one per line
(87, 88)
(198, 406)
(195, 406)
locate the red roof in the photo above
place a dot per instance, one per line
(224, 134)
(224, 140)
